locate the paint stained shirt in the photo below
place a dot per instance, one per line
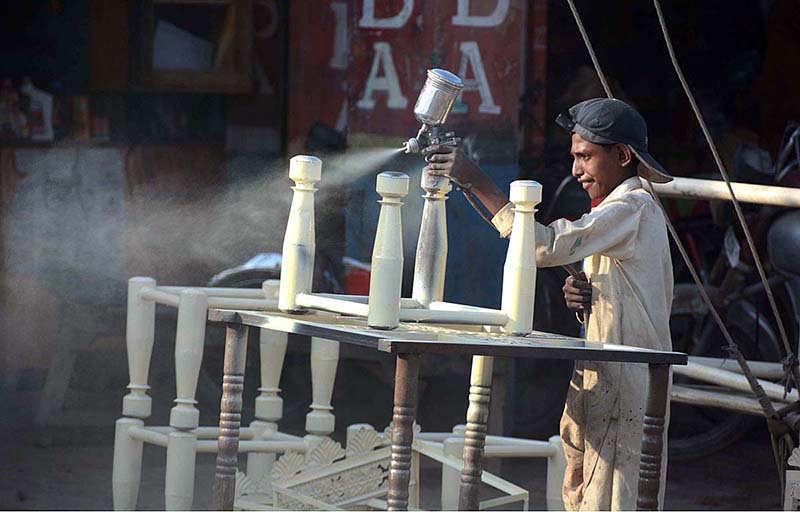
(625, 251)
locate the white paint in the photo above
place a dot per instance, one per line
(451, 476)
(556, 467)
(388, 82)
(341, 44)
(519, 271)
(189, 341)
(464, 19)
(126, 473)
(139, 337)
(179, 482)
(324, 361)
(299, 245)
(471, 58)
(368, 19)
(387, 253)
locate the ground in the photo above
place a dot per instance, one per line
(70, 469)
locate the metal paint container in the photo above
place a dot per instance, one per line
(437, 97)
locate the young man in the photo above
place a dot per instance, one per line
(623, 244)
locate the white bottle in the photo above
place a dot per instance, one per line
(40, 101)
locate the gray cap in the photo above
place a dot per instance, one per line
(608, 121)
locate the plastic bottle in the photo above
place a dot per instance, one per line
(41, 111)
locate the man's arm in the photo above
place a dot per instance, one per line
(449, 161)
(609, 230)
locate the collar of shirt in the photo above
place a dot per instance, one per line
(627, 185)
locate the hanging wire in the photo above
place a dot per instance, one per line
(790, 357)
(758, 391)
(589, 47)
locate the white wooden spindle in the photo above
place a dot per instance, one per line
(431, 259)
(269, 404)
(387, 253)
(297, 264)
(556, 467)
(519, 271)
(189, 341)
(140, 333)
(185, 417)
(126, 473)
(179, 482)
(324, 360)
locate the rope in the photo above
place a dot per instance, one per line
(758, 391)
(589, 47)
(737, 207)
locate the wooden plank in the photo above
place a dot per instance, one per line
(533, 349)
(416, 338)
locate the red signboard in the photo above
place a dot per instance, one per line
(394, 42)
(318, 61)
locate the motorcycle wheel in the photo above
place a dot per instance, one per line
(696, 431)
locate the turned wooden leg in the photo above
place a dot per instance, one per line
(480, 387)
(230, 417)
(653, 438)
(405, 404)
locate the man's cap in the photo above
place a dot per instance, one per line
(609, 121)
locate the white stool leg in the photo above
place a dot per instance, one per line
(269, 404)
(136, 405)
(556, 466)
(431, 258)
(519, 271)
(324, 360)
(126, 474)
(179, 483)
(139, 337)
(184, 417)
(451, 477)
(297, 264)
(387, 253)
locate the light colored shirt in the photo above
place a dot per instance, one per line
(625, 251)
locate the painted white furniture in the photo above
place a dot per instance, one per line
(267, 478)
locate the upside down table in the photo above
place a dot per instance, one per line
(409, 342)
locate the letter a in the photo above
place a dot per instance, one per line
(388, 82)
(471, 56)
(368, 19)
(463, 18)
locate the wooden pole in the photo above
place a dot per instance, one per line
(230, 417)
(405, 404)
(653, 438)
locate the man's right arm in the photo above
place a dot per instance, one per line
(453, 163)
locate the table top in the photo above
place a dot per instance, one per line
(444, 339)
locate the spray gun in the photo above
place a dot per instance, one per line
(433, 105)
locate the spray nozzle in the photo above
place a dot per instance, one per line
(429, 136)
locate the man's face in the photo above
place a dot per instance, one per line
(598, 169)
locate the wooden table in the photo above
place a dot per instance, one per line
(409, 342)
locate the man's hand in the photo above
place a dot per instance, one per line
(578, 294)
(451, 162)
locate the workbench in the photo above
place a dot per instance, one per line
(409, 342)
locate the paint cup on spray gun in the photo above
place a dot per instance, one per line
(297, 264)
(433, 105)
